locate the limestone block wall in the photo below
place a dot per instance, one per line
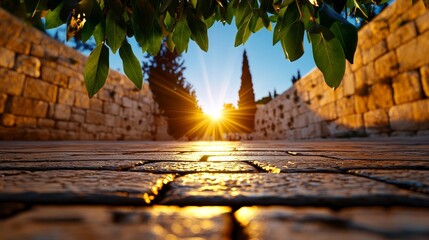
(42, 93)
(385, 92)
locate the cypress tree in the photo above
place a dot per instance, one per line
(246, 99)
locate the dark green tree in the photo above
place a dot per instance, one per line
(175, 96)
(246, 99)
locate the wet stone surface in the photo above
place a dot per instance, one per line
(287, 188)
(412, 179)
(66, 186)
(322, 223)
(321, 189)
(309, 164)
(83, 222)
(70, 165)
(192, 167)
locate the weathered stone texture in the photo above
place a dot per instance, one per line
(11, 82)
(411, 54)
(402, 35)
(28, 65)
(66, 97)
(380, 96)
(41, 90)
(7, 58)
(3, 98)
(28, 107)
(407, 87)
(376, 121)
(424, 73)
(423, 22)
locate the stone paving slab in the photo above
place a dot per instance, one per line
(84, 222)
(323, 189)
(322, 223)
(70, 156)
(332, 165)
(296, 189)
(412, 179)
(67, 186)
(193, 167)
(112, 165)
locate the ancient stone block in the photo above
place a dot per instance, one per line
(357, 61)
(376, 121)
(361, 104)
(37, 51)
(66, 96)
(28, 107)
(77, 84)
(407, 87)
(11, 82)
(52, 75)
(7, 58)
(19, 45)
(386, 66)
(348, 84)
(25, 122)
(401, 35)
(424, 73)
(127, 102)
(28, 65)
(423, 22)
(412, 55)
(374, 52)
(38, 89)
(109, 120)
(328, 112)
(401, 117)
(94, 117)
(380, 96)
(8, 120)
(81, 100)
(111, 108)
(77, 117)
(421, 113)
(405, 12)
(3, 98)
(369, 73)
(45, 123)
(96, 104)
(345, 106)
(61, 112)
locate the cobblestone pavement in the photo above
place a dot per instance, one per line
(322, 189)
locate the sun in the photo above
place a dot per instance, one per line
(214, 113)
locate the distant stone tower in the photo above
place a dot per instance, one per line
(246, 99)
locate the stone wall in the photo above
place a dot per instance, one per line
(42, 93)
(385, 92)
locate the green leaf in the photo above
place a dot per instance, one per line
(96, 69)
(93, 18)
(289, 17)
(53, 19)
(100, 32)
(344, 31)
(243, 35)
(132, 67)
(292, 43)
(199, 31)
(155, 38)
(328, 56)
(181, 35)
(348, 37)
(115, 31)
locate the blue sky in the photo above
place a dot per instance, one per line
(216, 74)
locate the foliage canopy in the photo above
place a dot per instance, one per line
(150, 22)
